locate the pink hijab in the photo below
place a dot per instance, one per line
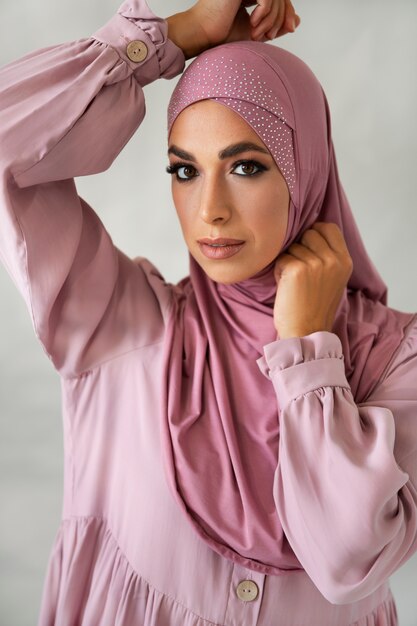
(221, 414)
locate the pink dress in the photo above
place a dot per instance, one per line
(125, 554)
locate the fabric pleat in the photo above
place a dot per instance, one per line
(221, 415)
(95, 584)
(89, 571)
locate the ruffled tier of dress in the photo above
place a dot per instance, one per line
(93, 583)
(90, 581)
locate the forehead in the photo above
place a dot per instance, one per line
(208, 122)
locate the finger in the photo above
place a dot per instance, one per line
(304, 254)
(333, 236)
(290, 21)
(278, 23)
(284, 31)
(337, 244)
(314, 241)
(282, 25)
(272, 21)
(261, 10)
(268, 30)
(272, 34)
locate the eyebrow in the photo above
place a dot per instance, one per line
(230, 151)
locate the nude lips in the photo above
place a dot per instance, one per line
(220, 248)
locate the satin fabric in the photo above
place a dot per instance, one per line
(225, 489)
(125, 553)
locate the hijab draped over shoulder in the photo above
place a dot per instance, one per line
(221, 414)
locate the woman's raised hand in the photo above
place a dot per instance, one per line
(211, 22)
(311, 277)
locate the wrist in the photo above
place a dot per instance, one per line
(183, 33)
(292, 332)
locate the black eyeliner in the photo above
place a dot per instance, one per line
(261, 167)
(173, 169)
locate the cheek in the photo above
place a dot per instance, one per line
(181, 202)
(267, 215)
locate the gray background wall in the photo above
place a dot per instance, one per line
(364, 53)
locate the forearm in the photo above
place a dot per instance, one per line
(182, 32)
(67, 111)
(347, 508)
(81, 101)
(213, 22)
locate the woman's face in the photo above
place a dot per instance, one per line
(226, 186)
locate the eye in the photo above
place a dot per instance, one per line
(248, 168)
(182, 171)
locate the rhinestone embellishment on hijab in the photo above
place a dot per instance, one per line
(238, 86)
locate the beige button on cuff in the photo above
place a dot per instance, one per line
(247, 590)
(137, 51)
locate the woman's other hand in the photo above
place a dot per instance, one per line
(212, 22)
(311, 277)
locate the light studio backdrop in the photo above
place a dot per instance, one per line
(364, 53)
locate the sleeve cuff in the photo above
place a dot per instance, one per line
(141, 40)
(299, 365)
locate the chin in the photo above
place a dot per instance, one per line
(228, 272)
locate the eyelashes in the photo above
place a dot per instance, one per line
(252, 168)
(185, 172)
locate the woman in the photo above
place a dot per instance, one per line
(239, 448)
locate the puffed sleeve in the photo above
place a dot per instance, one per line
(67, 111)
(345, 483)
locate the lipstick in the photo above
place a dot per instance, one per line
(220, 248)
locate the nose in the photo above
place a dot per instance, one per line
(215, 204)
